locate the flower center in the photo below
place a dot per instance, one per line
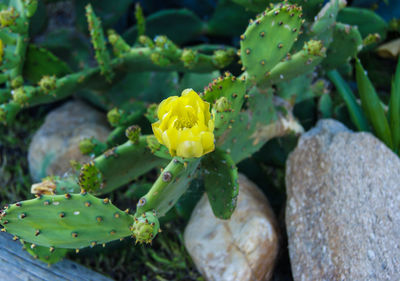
(186, 120)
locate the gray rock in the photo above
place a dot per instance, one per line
(243, 248)
(18, 265)
(56, 142)
(343, 206)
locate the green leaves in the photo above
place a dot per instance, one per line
(355, 110)
(221, 183)
(372, 105)
(394, 110)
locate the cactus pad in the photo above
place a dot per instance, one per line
(226, 94)
(221, 183)
(66, 221)
(269, 38)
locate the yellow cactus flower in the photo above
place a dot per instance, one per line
(1, 51)
(185, 125)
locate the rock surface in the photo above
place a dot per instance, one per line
(56, 143)
(242, 248)
(343, 206)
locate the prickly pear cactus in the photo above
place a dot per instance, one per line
(268, 39)
(66, 221)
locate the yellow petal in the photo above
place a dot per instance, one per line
(189, 149)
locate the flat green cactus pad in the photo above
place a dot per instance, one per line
(66, 221)
(269, 38)
(227, 95)
(221, 183)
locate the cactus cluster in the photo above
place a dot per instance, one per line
(279, 45)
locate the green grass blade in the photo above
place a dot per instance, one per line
(355, 110)
(394, 109)
(372, 106)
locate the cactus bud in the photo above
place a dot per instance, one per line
(120, 47)
(20, 96)
(315, 48)
(47, 83)
(159, 59)
(86, 146)
(145, 227)
(114, 116)
(222, 104)
(17, 82)
(371, 39)
(133, 133)
(189, 57)
(223, 58)
(7, 17)
(161, 41)
(146, 41)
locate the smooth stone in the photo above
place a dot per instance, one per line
(242, 248)
(343, 206)
(56, 142)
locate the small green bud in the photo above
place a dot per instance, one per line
(222, 58)
(120, 47)
(371, 39)
(161, 41)
(114, 116)
(19, 96)
(189, 58)
(17, 82)
(133, 133)
(159, 59)
(151, 113)
(47, 83)
(86, 146)
(146, 226)
(315, 48)
(146, 41)
(7, 17)
(222, 104)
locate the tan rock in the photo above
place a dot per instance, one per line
(56, 142)
(242, 248)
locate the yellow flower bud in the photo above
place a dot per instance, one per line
(185, 125)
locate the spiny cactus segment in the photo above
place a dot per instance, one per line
(221, 183)
(99, 44)
(145, 227)
(66, 221)
(268, 39)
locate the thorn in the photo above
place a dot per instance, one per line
(92, 244)
(51, 249)
(104, 245)
(99, 219)
(116, 215)
(88, 204)
(106, 200)
(76, 251)
(127, 211)
(23, 215)
(33, 246)
(3, 230)
(15, 238)
(62, 214)
(74, 234)
(67, 196)
(18, 204)
(37, 232)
